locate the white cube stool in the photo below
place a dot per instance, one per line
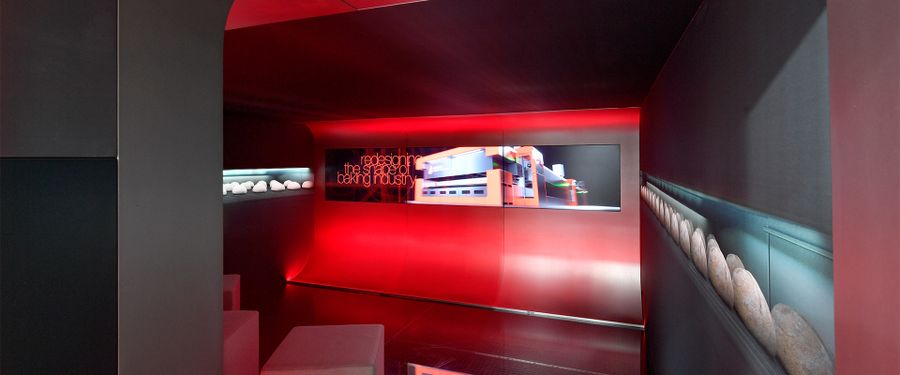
(231, 292)
(356, 349)
(240, 333)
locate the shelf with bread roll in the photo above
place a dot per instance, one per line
(241, 185)
(781, 330)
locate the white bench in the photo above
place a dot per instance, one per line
(240, 334)
(356, 349)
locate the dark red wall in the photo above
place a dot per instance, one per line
(864, 53)
(574, 263)
(265, 239)
(260, 140)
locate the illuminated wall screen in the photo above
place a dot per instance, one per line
(575, 177)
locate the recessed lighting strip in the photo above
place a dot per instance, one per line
(576, 319)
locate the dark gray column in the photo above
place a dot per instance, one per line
(170, 176)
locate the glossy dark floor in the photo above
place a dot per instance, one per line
(457, 338)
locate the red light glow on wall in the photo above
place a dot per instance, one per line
(246, 13)
(578, 263)
(626, 118)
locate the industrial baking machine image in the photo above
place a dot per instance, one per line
(495, 176)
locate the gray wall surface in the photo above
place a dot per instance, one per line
(58, 241)
(740, 110)
(110, 137)
(58, 78)
(58, 187)
(170, 170)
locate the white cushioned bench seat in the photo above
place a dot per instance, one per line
(355, 349)
(240, 333)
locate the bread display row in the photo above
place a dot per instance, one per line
(782, 331)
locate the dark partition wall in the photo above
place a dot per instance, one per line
(110, 134)
(58, 187)
(740, 110)
(58, 240)
(266, 239)
(254, 139)
(58, 90)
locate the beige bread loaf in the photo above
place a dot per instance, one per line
(734, 262)
(698, 251)
(666, 216)
(719, 274)
(753, 309)
(799, 347)
(686, 240)
(676, 226)
(674, 222)
(684, 236)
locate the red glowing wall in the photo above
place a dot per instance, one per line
(864, 63)
(578, 263)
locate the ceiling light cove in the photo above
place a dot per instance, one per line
(246, 13)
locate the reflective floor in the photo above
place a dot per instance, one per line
(463, 339)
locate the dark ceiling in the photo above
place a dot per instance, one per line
(455, 57)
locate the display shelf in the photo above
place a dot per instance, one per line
(265, 183)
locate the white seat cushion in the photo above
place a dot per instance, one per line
(356, 349)
(240, 333)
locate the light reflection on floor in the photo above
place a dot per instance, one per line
(462, 339)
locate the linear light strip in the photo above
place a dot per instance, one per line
(525, 361)
(576, 319)
(261, 171)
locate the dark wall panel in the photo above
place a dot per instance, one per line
(254, 140)
(740, 110)
(58, 241)
(58, 78)
(268, 239)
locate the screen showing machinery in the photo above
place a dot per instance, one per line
(581, 177)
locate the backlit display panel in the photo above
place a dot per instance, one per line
(576, 177)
